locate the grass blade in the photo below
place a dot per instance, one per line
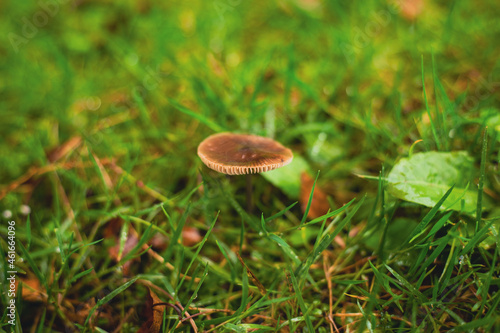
(81, 274)
(287, 249)
(34, 267)
(110, 296)
(325, 242)
(300, 299)
(270, 218)
(195, 256)
(419, 229)
(201, 118)
(304, 217)
(195, 293)
(433, 126)
(482, 172)
(476, 239)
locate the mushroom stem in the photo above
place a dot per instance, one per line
(249, 193)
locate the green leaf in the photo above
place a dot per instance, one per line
(491, 118)
(424, 178)
(430, 215)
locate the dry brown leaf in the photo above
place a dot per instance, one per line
(159, 242)
(153, 314)
(81, 311)
(113, 230)
(295, 97)
(411, 9)
(252, 276)
(32, 290)
(190, 236)
(309, 4)
(319, 203)
(64, 149)
(216, 66)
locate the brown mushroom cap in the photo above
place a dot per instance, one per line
(238, 154)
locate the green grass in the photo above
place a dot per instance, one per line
(104, 104)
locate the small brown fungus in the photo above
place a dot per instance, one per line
(239, 154)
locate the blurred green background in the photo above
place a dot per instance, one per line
(116, 74)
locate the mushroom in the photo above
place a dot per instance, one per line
(239, 154)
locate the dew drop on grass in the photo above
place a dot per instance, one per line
(349, 91)
(132, 59)
(93, 103)
(25, 209)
